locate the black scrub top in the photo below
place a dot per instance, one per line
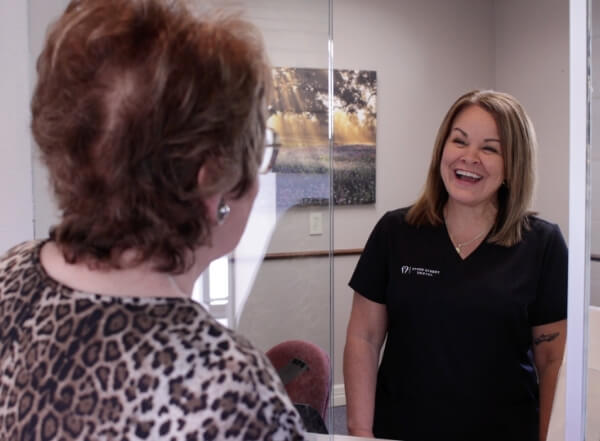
(457, 363)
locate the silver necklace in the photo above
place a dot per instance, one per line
(458, 246)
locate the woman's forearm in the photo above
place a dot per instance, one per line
(360, 377)
(547, 377)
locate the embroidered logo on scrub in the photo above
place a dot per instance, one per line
(418, 271)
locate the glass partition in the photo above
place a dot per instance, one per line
(282, 266)
(355, 140)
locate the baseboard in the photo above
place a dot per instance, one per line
(339, 395)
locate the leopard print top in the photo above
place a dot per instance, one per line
(81, 366)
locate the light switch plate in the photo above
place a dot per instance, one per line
(315, 224)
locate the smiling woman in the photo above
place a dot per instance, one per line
(469, 289)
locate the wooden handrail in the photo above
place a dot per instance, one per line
(306, 254)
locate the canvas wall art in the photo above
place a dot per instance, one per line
(299, 114)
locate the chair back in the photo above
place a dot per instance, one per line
(305, 369)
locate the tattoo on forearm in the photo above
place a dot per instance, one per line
(545, 337)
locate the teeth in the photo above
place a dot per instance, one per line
(467, 174)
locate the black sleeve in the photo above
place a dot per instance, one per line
(551, 297)
(370, 276)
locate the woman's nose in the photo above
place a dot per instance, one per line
(471, 155)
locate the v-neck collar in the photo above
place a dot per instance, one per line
(452, 247)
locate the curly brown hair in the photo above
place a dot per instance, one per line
(132, 98)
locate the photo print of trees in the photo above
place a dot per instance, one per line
(298, 113)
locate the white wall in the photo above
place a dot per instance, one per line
(42, 13)
(16, 224)
(532, 63)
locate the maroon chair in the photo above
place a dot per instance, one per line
(306, 372)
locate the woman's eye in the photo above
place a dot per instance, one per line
(490, 149)
(458, 141)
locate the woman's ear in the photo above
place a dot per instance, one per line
(211, 198)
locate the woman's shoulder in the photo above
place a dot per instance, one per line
(540, 226)
(238, 379)
(249, 366)
(395, 222)
(231, 344)
(18, 254)
(241, 380)
(20, 266)
(543, 234)
(395, 217)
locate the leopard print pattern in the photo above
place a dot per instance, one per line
(81, 366)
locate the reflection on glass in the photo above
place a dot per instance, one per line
(272, 145)
(280, 271)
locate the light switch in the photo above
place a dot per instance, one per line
(315, 224)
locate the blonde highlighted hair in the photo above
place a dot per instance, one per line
(518, 139)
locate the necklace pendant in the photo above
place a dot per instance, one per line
(457, 249)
